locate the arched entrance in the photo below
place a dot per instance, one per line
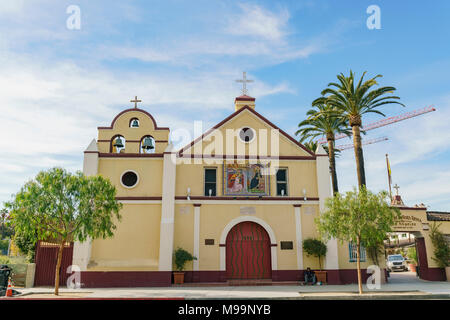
(248, 252)
(411, 246)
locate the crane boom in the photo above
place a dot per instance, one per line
(371, 141)
(387, 121)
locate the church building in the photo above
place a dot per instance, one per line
(241, 198)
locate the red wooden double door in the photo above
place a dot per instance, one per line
(248, 252)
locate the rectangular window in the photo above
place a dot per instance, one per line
(352, 252)
(282, 183)
(210, 182)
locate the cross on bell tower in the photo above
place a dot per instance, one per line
(396, 187)
(244, 82)
(135, 101)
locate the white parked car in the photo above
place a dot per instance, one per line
(396, 262)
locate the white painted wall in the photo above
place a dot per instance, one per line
(167, 211)
(324, 190)
(82, 250)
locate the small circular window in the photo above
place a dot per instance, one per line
(129, 179)
(247, 134)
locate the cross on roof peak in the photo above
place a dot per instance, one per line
(396, 187)
(135, 101)
(244, 82)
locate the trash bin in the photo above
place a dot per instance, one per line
(5, 272)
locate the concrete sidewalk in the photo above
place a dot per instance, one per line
(398, 286)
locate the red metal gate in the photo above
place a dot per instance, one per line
(46, 258)
(422, 258)
(248, 252)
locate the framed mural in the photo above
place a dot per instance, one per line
(245, 180)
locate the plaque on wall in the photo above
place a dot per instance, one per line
(184, 210)
(286, 245)
(245, 180)
(209, 242)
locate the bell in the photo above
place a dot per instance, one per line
(135, 123)
(118, 143)
(148, 144)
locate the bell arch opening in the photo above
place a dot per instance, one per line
(147, 144)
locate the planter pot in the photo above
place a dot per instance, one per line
(412, 267)
(178, 277)
(321, 276)
(447, 273)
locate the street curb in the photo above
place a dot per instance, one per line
(363, 297)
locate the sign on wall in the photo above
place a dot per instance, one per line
(245, 180)
(408, 222)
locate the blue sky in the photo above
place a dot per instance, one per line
(182, 57)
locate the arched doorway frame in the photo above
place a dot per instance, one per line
(262, 223)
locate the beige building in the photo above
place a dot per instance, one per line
(241, 198)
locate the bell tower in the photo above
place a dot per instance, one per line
(244, 99)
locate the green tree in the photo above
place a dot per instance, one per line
(323, 121)
(311, 145)
(441, 246)
(352, 102)
(316, 248)
(374, 250)
(361, 217)
(6, 230)
(62, 207)
(26, 244)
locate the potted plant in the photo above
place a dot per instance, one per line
(316, 248)
(412, 255)
(181, 256)
(441, 249)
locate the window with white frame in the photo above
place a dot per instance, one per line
(210, 177)
(282, 182)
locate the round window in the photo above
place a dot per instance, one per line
(246, 134)
(129, 179)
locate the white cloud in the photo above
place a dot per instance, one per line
(11, 6)
(49, 110)
(259, 22)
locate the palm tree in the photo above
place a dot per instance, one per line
(352, 103)
(311, 145)
(323, 121)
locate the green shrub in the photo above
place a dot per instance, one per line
(441, 246)
(316, 248)
(181, 257)
(412, 254)
(4, 259)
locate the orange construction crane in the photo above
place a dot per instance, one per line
(387, 121)
(350, 145)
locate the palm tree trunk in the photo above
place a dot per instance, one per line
(58, 266)
(358, 264)
(332, 158)
(359, 156)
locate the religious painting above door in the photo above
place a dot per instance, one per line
(245, 180)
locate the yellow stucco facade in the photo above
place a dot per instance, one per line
(167, 205)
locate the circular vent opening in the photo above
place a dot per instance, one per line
(129, 179)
